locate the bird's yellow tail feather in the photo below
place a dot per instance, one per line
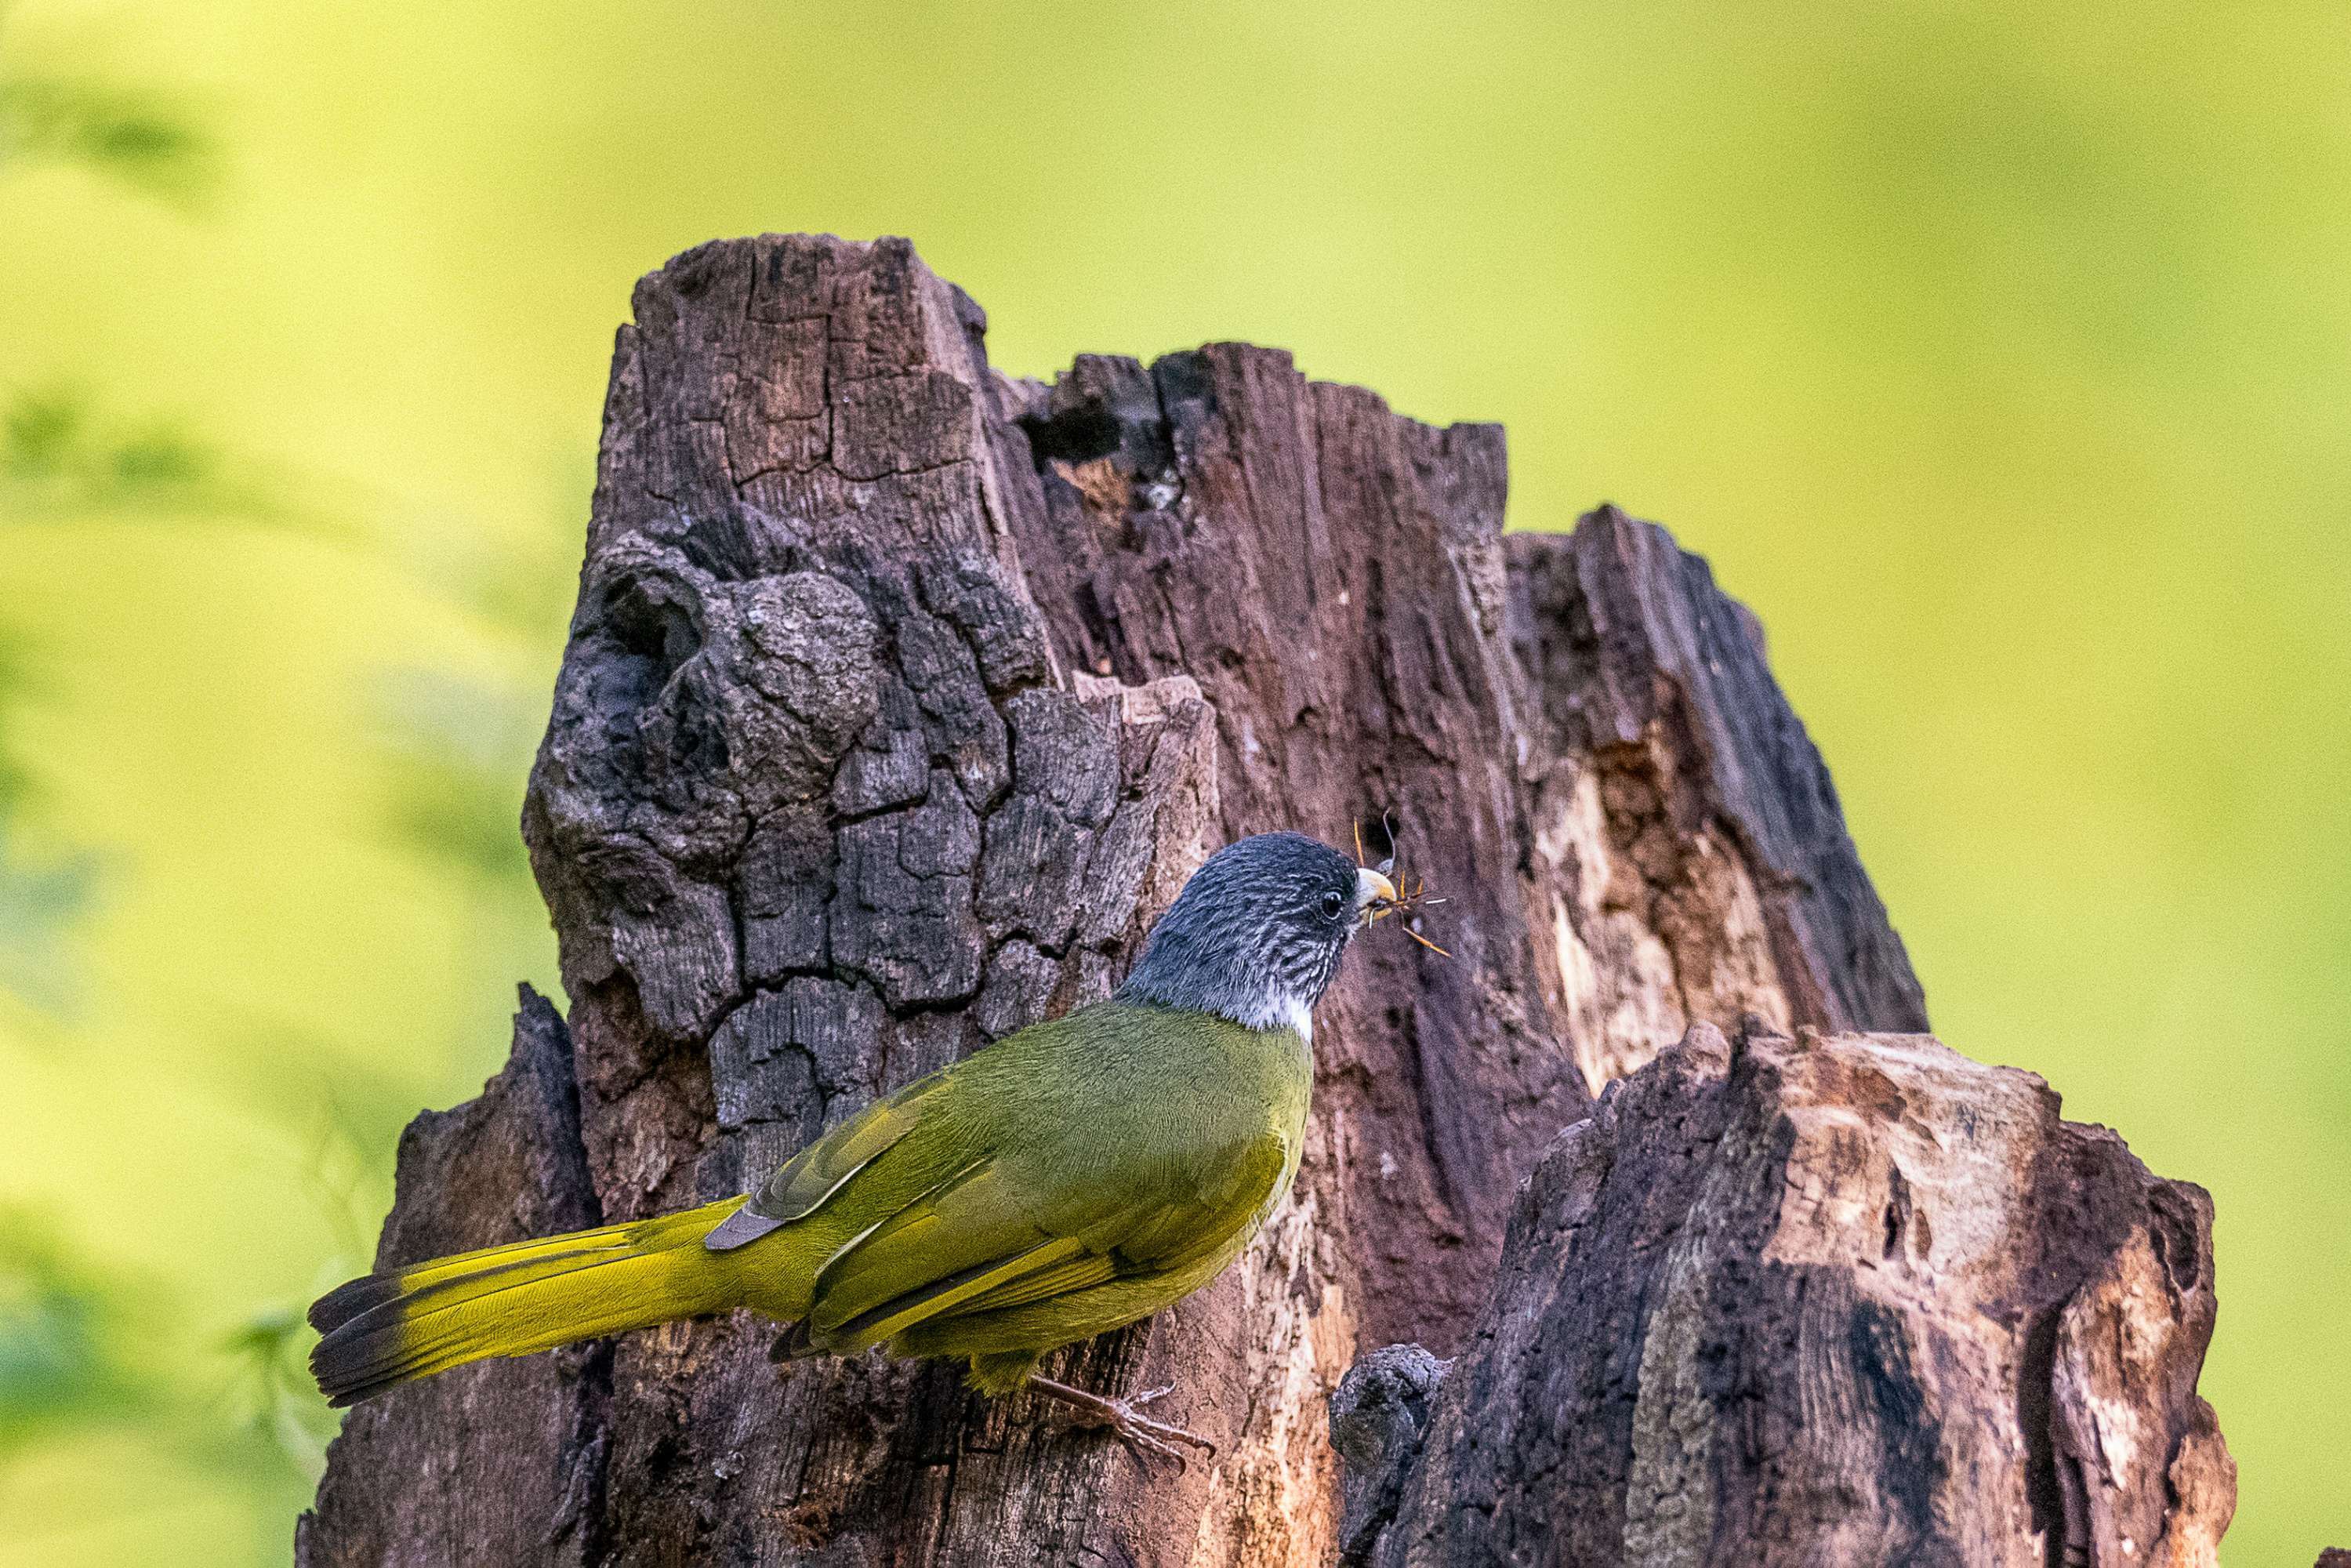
(390, 1328)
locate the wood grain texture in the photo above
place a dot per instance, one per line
(1847, 1299)
(899, 696)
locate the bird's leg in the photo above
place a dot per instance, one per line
(1144, 1438)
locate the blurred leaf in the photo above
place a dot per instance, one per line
(60, 459)
(38, 902)
(38, 898)
(147, 141)
(272, 1397)
(14, 783)
(63, 1326)
(83, 1346)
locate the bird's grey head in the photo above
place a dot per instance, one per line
(1257, 933)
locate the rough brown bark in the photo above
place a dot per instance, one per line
(478, 1470)
(899, 697)
(1835, 1300)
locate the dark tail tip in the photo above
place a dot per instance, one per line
(349, 1300)
(358, 1360)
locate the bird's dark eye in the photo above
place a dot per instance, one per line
(1333, 902)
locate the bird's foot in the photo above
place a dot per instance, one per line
(1147, 1440)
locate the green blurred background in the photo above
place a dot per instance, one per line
(1998, 354)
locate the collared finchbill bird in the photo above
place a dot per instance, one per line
(1073, 1177)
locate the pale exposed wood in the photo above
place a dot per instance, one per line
(1826, 1300)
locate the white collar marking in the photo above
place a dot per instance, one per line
(1280, 1012)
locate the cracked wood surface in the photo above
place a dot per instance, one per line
(899, 696)
(1846, 1298)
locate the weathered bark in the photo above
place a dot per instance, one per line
(899, 697)
(480, 1469)
(1835, 1300)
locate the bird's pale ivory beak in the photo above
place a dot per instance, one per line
(1372, 890)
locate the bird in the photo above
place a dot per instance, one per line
(1077, 1176)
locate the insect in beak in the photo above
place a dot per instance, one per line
(1377, 895)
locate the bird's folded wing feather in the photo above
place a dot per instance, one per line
(820, 1170)
(1001, 1233)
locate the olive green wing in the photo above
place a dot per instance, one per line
(1163, 1240)
(989, 1238)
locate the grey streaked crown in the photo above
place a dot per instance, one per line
(1256, 935)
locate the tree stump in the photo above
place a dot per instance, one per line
(899, 698)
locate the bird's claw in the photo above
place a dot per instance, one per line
(1147, 1440)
